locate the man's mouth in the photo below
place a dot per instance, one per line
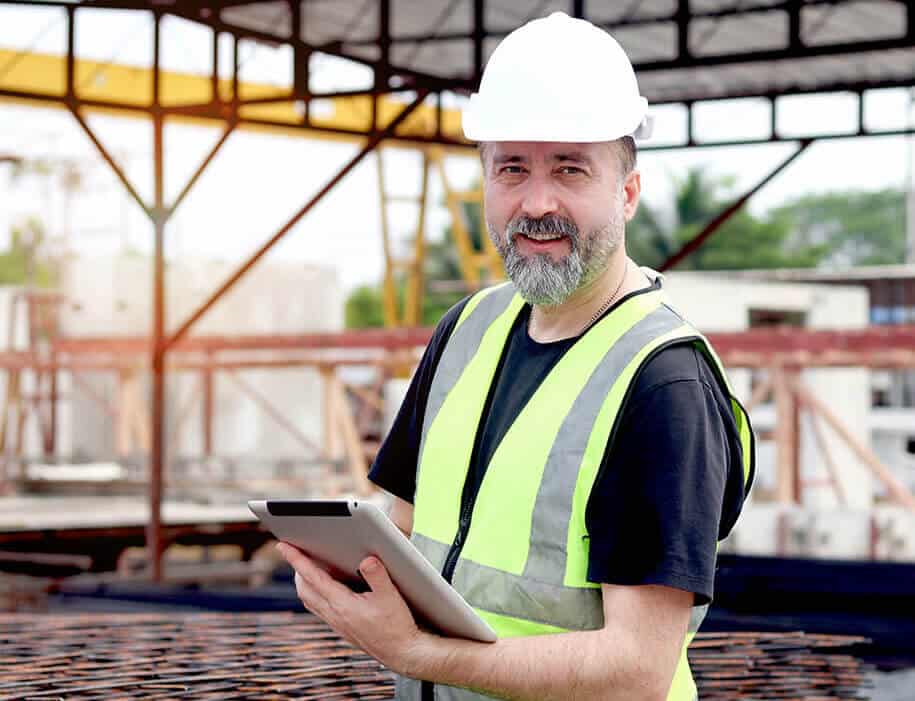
(551, 244)
(542, 237)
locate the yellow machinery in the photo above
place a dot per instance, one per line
(478, 265)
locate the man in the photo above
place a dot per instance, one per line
(568, 453)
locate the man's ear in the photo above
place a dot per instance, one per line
(632, 190)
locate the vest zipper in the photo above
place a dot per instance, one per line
(468, 500)
(458, 544)
(427, 689)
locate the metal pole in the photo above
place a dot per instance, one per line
(157, 446)
(52, 419)
(207, 418)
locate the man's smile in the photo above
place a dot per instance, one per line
(543, 243)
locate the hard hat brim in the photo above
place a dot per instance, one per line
(481, 125)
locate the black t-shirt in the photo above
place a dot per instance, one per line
(671, 483)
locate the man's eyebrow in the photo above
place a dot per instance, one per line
(508, 158)
(574, 157)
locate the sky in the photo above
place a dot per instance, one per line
(258, 181)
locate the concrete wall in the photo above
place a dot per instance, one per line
(112, 297)
(722, 303)
(884, 532)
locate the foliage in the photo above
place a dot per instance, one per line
(744, 241)
(22, 263)
(364, 308)
(853, 228)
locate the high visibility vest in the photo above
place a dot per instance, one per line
(520, 557)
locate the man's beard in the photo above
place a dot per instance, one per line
(547, 282)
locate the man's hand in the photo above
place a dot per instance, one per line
(377, 621)
(631, 659)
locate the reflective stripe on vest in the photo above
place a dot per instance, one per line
(523, 566)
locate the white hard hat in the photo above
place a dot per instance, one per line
(557, 79)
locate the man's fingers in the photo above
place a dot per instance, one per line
(312, 600)
(312, 576)
(376, 576)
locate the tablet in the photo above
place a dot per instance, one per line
(343, 533)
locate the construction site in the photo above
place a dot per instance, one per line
(148, 395)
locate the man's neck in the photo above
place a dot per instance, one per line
(569, 319)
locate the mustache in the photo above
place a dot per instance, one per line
(548, 224)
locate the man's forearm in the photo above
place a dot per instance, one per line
(565, 667)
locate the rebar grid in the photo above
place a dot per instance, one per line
(273, 656)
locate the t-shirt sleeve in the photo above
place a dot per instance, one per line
(656, 508)
(394, 467)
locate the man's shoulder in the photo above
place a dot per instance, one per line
(679, 362)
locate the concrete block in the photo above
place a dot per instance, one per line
(895, 533)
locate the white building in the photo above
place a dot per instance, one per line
(878, 407)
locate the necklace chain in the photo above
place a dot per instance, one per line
(594, 317)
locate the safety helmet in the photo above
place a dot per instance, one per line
(557, 79)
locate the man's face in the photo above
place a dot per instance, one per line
(556, 213)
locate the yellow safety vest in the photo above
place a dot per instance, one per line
(520, 558)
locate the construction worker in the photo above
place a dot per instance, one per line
(569, 452)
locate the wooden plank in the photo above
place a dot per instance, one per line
(898, 491)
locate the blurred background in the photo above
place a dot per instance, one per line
(227, 228)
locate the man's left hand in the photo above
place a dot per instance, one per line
(378, 621)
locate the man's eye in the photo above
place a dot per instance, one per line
(570, 170)
(511, 170)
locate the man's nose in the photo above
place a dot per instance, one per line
(539, 199)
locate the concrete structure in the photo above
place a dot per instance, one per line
(892, 301)
(719, 303)
(109, 297)
(819, 527)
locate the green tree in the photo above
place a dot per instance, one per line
(363, 308)
(852, 228)
(22, 263)
(744, 241)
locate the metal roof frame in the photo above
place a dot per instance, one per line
(680, 50)
(685, 51)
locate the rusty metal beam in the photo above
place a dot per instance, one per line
(109, 159)
(207, 409)
(154, 544)
(202, 167)
(889, 358)
(815, 343)
(713, 226)
(370, 146)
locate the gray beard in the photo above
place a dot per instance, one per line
(543, 281)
